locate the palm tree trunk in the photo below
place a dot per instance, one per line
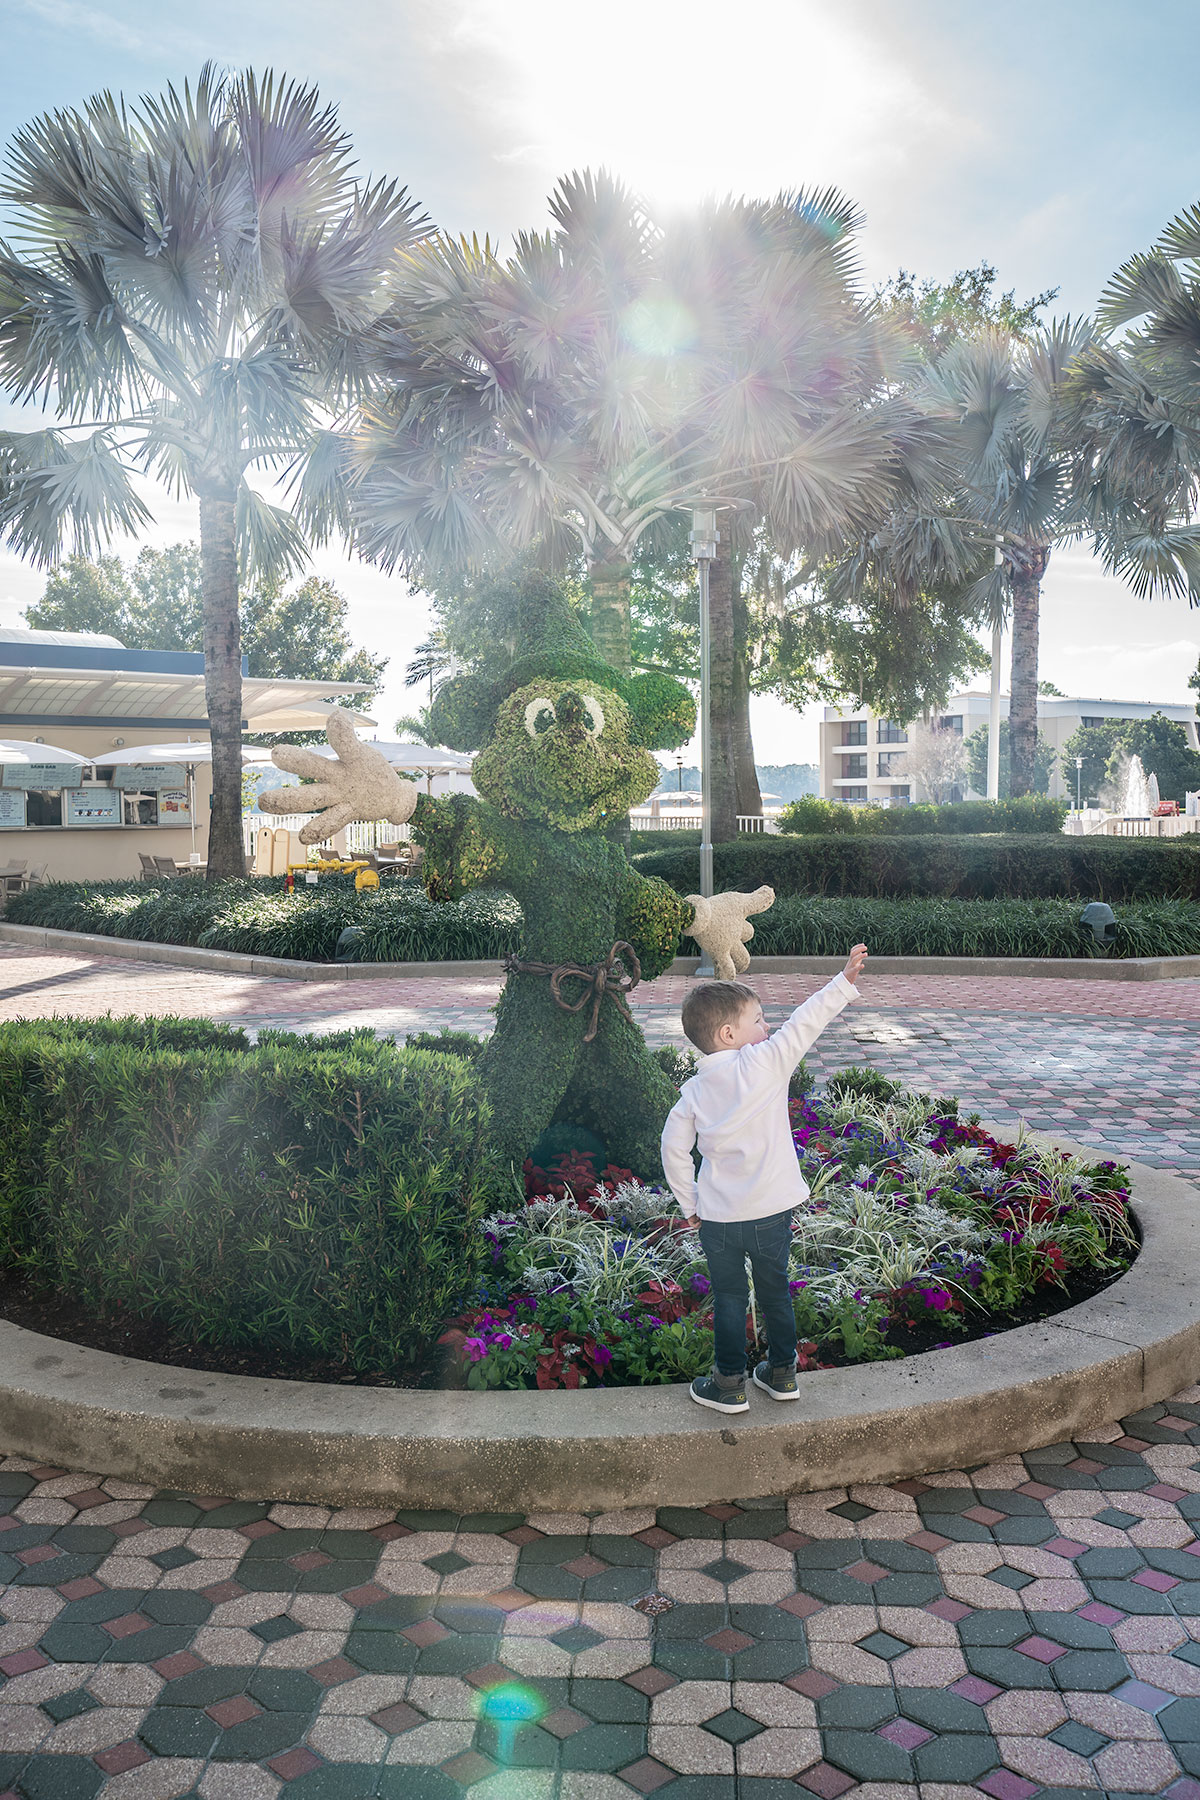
(748, 799)
(610, 613)
(1022, 706)
(722, 683)
(222, 680)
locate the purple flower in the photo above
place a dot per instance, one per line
(602, 1356)
(937, 1298)
(700, 1285)
(475, 1348)
(503, 1340)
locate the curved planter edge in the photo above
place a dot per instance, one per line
(1130, 1346)
(233, 962)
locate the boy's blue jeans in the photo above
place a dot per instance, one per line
(726, 1246)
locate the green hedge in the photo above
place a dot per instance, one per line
(259, 917)
(806, 927)
(959, 818)
(319, 1196)
(964, 868)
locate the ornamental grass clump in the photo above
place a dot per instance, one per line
(919, 1226)
(317, 1199)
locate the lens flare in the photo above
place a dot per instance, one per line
(508, 1707)
(658, 325)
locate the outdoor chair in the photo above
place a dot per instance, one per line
(36, 876)
(149, 872)
(165, 865)
(11, 877)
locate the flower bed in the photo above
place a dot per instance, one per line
(921, 1228)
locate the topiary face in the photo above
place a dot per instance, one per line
(561, 752)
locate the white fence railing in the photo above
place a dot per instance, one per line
(1097, 824)
(674, 821)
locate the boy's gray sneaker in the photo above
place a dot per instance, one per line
(724, 1393)
(781, 1384)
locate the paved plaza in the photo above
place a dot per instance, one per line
(1028, 1629)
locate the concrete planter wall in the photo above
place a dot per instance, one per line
(1136, 1343)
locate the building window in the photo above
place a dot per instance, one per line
(43, 807)
(852, 793)
(1089, 723)
(887, 764)
(951, 722)
(854, 768)
(901, 795)
(888, 733)
(854, 731)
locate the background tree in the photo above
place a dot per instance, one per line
(1045, 757)
(1161, 743)
(430, 659)
(193, 281)
(935, 759)
(933, 315)
(415, 727)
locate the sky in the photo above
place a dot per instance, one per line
(1052, 138)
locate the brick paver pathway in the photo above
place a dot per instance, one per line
(1115, 1064)
(1029, 1629)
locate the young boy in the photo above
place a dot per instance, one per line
(736, 1108)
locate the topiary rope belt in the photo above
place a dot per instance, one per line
(616, 976)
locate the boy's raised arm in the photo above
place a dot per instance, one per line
(679, 1134)
(784, 1048)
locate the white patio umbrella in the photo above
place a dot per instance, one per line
(20, 750)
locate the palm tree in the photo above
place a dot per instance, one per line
(530, 401)
(415, 727)
(430, 659)
(1011, 491)
(193, 282)
(585, 391)
(1138, 413)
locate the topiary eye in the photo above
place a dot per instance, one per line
(593, 716)
(539, 716)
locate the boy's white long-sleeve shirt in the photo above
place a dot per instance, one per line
(736, 1108)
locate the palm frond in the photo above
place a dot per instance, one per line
(1139, 286)
(270, 542)
(53, 488)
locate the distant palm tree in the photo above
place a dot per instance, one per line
(431, 659)
(415, 727)
(1011, 492)
(195, 277)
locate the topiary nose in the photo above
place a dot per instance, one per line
(569, 709)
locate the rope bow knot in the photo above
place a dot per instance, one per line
(616, 976)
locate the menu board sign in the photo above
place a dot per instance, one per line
(173, 808)
(93, 806)
(149, 776)
(40, 775)
(12, 809)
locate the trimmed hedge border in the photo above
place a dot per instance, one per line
(1015, 867)
(1132, 1345)
(230, 962)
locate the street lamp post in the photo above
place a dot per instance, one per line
(704, 539)
(1078, 779)
(679, 767)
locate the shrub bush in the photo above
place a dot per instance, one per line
(1032, 813)
(966, 868)
(317, 1197)
(795, 926)
(260, 918)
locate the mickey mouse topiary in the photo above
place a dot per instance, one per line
(564, 744)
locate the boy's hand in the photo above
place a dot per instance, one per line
(689, 1220)
(855, 963)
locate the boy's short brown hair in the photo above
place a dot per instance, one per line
(709, 1006)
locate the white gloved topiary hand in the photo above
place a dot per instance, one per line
(359, 784)
(721, 926)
